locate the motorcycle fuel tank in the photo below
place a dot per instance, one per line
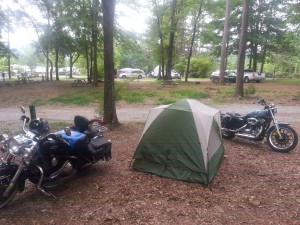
(258, 113)
(232, 122)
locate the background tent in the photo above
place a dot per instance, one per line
(181, 141)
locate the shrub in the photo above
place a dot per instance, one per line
(251, 90)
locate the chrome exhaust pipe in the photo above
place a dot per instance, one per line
(252, 137)
(234, 131)
(67, 164)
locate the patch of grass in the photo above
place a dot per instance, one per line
(189, 93)
(38, 102)
(165, 101)
(68, 98)
(55, 126)
(132, 96)
(286, 81)
(219, 99)
(79, 98)
(223, 95)
(229, 92)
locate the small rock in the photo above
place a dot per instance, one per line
(253, 201)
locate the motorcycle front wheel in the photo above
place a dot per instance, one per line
(5, 200)
(287, 142)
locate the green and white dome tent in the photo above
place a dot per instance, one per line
(181, 141)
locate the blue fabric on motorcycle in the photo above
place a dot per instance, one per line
(73, 138)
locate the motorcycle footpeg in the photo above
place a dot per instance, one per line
(45, 192)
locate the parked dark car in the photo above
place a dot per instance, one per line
(229, 77)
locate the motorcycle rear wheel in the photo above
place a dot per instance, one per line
(228, 135)
(287, 143)
(5, 200)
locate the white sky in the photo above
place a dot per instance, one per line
(129, 18)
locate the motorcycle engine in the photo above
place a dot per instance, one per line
(254, 125)
(252, 121)
(52, 155)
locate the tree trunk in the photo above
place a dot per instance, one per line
(242, 51)
(56, 63)
(264, 59)
(224, 43)
(110, 114)
(71, 66)
(161, 43)
(192, 42)
(171, 40)
(254, 58)
(73, 59)
(87, 63)
(95, 41)
(9, 52)
(91, 63)
(51, 69)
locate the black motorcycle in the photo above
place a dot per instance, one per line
(259, 124)
(48, 159)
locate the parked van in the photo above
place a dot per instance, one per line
(135, 73)
(174, 74)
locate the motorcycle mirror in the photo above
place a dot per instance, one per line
(24, 118)
(22, 109)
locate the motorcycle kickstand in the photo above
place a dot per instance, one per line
(45, 192)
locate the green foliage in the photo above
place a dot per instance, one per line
(250, 90)
(3, 64)
(121, 87)
(200, 67)
(130, 53)
(180, 67)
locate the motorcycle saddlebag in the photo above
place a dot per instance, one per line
(100, 149)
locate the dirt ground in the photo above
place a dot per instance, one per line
(253, 186)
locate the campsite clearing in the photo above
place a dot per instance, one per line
(253, 185)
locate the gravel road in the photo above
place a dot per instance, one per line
(136, 113)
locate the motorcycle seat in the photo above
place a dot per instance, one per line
(82, 126)
(81, 123)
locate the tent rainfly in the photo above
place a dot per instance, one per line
(181, 141)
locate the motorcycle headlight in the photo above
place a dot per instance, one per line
(14, 148)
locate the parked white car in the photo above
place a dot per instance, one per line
(133, 73)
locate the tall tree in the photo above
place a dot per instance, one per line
(159, 13)
(242, 51)
(173, 20)
(224, 42)
(195, 25)
(110, 114)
